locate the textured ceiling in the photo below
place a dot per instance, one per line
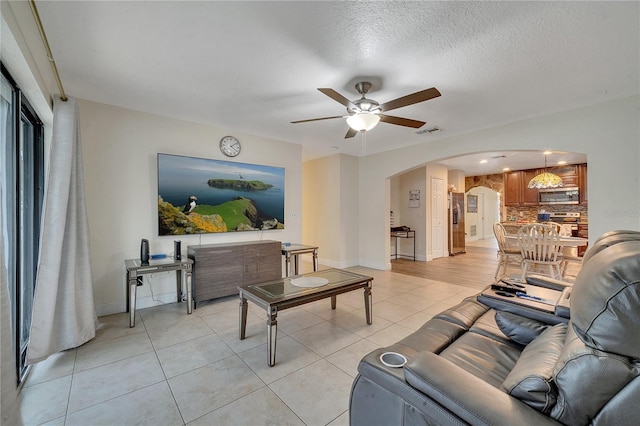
(255, 66)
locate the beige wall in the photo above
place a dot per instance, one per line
(349, 210)
(120, 149)
(456, 178)
(330, 211)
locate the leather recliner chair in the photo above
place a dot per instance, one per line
(473, 364)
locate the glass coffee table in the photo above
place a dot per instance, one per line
(275, 296)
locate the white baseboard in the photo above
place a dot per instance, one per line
(409, 256)
(340, 265)
(376, 265)
(141, 303)
(110, 308)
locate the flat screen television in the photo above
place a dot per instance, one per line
(202, 196)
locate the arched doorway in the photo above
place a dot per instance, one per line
(483, 210)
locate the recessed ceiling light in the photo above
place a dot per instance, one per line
(484, 161)
(506, 169)
(562, 162)
(547, 152)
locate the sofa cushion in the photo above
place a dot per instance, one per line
(433, 336)
(465, 313)
(482, 356)
(531, 379)
(609, 239)
(605, 300)
(518, 328)
(587, 381)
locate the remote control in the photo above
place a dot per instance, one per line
(511, 283)
(507, 288)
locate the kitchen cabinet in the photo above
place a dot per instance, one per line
(568, 173)
(516, 190)
(530, 196)
(517, 193)
(512, 188)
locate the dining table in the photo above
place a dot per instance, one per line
(567, 244)
(565, 241)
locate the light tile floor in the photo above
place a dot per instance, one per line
(177, 369)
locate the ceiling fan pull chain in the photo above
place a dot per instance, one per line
(364, 143)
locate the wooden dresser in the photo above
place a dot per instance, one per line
(218, 269)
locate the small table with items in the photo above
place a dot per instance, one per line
(136, 270)
(536, 302)
(404, 234)
(294, 250)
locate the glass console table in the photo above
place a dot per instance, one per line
(136, 270)
(293, 251)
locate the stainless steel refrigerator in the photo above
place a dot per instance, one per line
(456, 223)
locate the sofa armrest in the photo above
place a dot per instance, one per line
(563, 307)
(469, 397)
(548, 282)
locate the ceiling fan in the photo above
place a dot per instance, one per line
(364, 114)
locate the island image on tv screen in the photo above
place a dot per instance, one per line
(201, 196)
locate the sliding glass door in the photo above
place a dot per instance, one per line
(22, 172)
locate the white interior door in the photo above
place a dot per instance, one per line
(437, 217)
(488, 211)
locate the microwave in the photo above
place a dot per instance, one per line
(569, 195)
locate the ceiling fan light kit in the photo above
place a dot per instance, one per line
(364, 114)
(363, 121)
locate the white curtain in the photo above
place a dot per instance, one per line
(9, 396)
(64, 314)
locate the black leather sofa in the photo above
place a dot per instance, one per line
(473, 364)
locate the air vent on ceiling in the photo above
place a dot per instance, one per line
(434, 129)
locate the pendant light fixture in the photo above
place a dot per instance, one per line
(545, 179)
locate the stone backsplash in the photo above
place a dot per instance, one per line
(494, 182)
(530, 214)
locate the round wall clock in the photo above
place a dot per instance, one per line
(230, 146)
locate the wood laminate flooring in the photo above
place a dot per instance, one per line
(474, 269)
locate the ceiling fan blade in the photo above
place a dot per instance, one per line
(317, 119)
(411, 99)
(350, 133)
(407, 122)
(337, 97)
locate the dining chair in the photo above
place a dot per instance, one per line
(507, 255)
(568, 256)
(541, 250)
(556, 226)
